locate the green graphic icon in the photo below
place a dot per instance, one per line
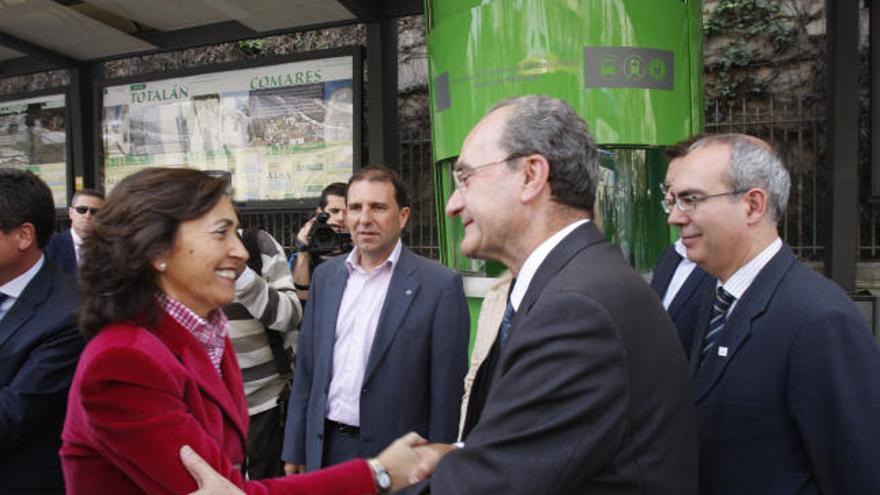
(657, 69)
(609, 67)
(634, 68)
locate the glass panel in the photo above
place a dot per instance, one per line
(33, 136)
(628, 203)
(283, 131)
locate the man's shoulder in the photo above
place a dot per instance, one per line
(810, 291)
(431, 268)
(57, 288)
(59, 239)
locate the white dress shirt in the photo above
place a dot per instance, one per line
(16, 286)
(682, 272)
(533, 262)
(77, 246)
(356, 326)
(741, 279)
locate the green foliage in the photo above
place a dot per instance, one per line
(742, 36)
(252, 47)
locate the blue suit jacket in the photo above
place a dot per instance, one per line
(793, 407)
(60, 251)
(696, 291)
(415, 370)
(39, 349)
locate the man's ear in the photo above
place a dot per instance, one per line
(25, 236)
(536, 175)
(756, 202)
(404, 216)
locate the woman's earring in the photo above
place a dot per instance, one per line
(162, 266)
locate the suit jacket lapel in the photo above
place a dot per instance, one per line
(694, 280)
(26, 305)
(223, 391)
(739, 323)
(331, 299)
(665, 269)
(401, 293)
(580, 238)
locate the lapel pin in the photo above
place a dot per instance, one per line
(722, 351)
(408, 292)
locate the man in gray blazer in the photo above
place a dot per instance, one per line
(383, 344)
(588, 390)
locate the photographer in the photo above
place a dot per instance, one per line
(306, 258)
(262, 323)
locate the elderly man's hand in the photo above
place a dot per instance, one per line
(400, 458)
(429, 456)
(210, 482)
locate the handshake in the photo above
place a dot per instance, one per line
(408, 460)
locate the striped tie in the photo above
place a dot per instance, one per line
(717, 319)
(3, 298)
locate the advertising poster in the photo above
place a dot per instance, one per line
(33, 137)
(283, 131)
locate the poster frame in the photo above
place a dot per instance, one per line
(355, 52)
(65, 90)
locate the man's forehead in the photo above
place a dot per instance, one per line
(483, 140)
(87, 199)
(701, 166)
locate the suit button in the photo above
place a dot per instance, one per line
(364, 390)
(320, 436)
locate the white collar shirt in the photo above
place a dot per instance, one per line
(742, 279)
(77, 246)
(682, 272)
(533, 262)
(16, 286)
(356, 325)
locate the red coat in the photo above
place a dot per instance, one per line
(139, 395)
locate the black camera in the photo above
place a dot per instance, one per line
(324, 240)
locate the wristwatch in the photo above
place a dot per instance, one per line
(380, 476)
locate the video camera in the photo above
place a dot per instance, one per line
(324, 240)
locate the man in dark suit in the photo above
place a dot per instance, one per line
(383, 344)
(786, 373)
(682, 286)
(39, 342)
(64, 248)
(586, 388)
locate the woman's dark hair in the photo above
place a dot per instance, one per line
(138, 223)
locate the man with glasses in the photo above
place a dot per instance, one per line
(586, 387)
(64, 249)
(682, 286)
(786, 372)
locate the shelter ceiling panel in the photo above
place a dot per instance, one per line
(63, 30)
(168, 15)
(9, 53)
(269, 15)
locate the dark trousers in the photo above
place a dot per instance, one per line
(265, 439)
(339, 446)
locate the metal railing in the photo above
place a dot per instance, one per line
(797, 131)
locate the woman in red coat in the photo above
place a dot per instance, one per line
(159, 370)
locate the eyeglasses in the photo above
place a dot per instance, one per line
(82, 210)
(462, 173)
(688, 202)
